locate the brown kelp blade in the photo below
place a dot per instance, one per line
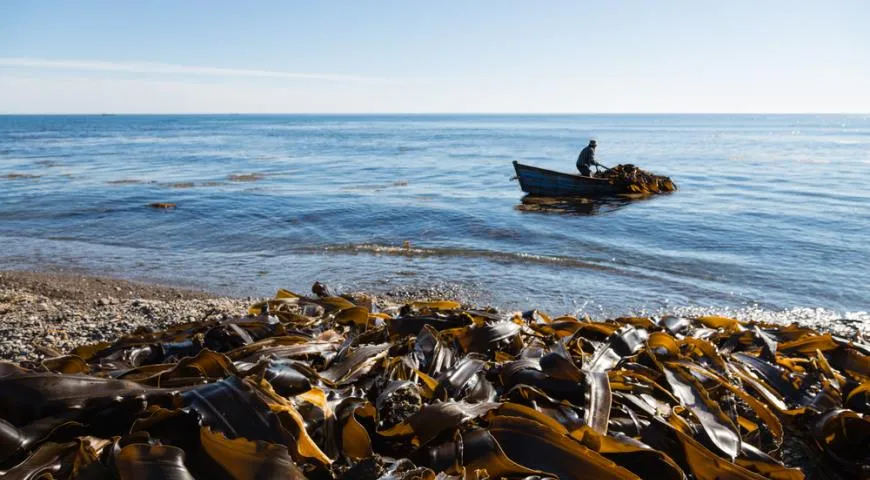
(536, 446)
(718, 427)
(56, 460)
(598, 401)
(844, 435)
(232, 407)
(248, 460)
(142, 461)
(475, 450)
(358, 363)
(435, 418)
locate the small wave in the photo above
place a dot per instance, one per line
(161, 140)
(375, 187)
(31, 157)
(846, 324)
(417, 252)
(128, 181)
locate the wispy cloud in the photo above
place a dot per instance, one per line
(172, 69)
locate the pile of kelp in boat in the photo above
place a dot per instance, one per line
(342, 387)
(631, 179)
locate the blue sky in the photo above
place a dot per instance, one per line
(445, 56)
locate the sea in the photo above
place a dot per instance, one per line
(771, 219)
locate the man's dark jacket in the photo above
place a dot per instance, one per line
(586, 158)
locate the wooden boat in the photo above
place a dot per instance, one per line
(548, 183)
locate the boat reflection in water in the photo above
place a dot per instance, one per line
(577, 205)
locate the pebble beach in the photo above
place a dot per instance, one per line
(47, 314)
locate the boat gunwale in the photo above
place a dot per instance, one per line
(554, 172)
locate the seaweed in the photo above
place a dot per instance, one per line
(631, 179)
(333, 386)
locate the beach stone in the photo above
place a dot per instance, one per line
(312, 310)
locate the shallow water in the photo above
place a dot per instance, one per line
(772, 215)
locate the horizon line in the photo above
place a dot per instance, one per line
(9, 114)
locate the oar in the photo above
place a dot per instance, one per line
(602, 166)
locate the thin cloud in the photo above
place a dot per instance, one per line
(172, 69)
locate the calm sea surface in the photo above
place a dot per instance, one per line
(772, 215)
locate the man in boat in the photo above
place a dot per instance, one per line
(587, 159)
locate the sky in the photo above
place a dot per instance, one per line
(483, 56)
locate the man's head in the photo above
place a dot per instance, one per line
(593, 143)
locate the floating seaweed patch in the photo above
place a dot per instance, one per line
(346, 386)
(631, 179)
(20, 176)
(246, 177)
(180, 185)
(129, 181)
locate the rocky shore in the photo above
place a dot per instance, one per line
(45, 314)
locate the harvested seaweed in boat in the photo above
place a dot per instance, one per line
(631, 179)
(348, 387)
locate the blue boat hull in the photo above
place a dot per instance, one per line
(547, 183)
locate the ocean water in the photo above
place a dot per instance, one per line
(772, 214)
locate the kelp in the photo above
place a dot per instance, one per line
(631, 179)
(151, 461)
(345, 386)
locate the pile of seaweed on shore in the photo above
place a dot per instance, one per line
(631, 179)
(346, 387)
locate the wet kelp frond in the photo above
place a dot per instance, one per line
(631, 179)
(346, 387)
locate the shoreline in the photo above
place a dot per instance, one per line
(48, 313)
(80, 285)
